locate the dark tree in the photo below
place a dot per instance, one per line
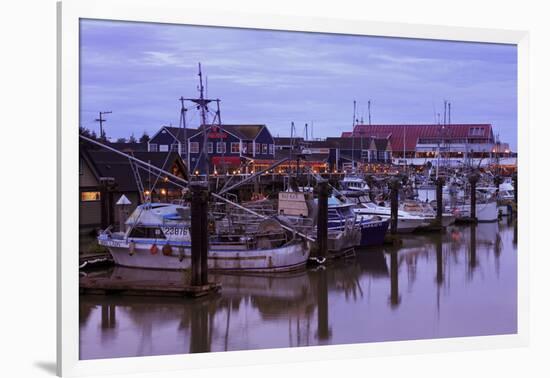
(132, 139)
(121, 140)
(144, 138)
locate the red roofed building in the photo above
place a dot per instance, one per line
(454, 140)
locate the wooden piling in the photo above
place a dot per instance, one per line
(439, 196)
(323, 329)
(199, 233)
(394, 204)
(395, 300)
(515, 183)
(473, 178)
(322, 218)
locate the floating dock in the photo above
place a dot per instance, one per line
(114, 286)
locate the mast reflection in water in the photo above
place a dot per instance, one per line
(461, 283)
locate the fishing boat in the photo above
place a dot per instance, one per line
(363, 207)
(158, 237)
(486, 206)
(372, 228)
(353, 182)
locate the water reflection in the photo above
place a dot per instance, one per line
(350, 301)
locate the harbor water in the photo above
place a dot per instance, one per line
(459, 283)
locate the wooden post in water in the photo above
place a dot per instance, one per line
(515, 183)
(323, 329)
(199, 233)
(322, 218)
(439, 196)
(439, 260)
(473, 178)
(472, 263)
(395, 300)
(394, 203)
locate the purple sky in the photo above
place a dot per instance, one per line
(139, 71)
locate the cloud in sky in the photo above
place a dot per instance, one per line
(139, 71)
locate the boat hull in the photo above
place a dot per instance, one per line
(220, 258)
(485, 212)
(372, 231)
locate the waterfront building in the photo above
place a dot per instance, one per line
(105, 176)
(228, 147)
(457, 143)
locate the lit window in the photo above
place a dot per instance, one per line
(174, 147)
(90, 196)
(153, 147)
(194, 147)
(235, 147)
(210, 147)
(264, 148)
(220, 147)
(163, 148)
(271, 149)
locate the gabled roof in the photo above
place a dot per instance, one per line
(128, 147)
(247, 132)
(178, 132)
(110, 164)
(409, 134)
(243, 132)
(349, 143)
(286, 141)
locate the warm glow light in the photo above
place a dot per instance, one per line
(196, 172)
(163, 192)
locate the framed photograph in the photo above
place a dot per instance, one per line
(225, 209)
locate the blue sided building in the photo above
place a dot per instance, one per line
(229, 148)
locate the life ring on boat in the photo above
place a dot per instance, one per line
(167, 250)
(132, 248)
(154, 249)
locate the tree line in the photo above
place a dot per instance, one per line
(131, 139)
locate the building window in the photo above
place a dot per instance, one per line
(194, 147)
(90, 196)
(163, 148)
(210, 147)
(250, 148)
(271, 149)
(174, 147)
(264, 148)
(235, 147)
(153, 147)
(220, 147)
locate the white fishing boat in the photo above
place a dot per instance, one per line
(158, 237)
(505, 198)
(354, 183)
(364, 207)
(486, 206)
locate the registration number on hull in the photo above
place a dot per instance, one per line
(175, 231)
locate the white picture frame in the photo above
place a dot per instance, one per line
(69, 14)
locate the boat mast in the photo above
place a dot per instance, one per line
(353, 138)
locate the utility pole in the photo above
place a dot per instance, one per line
(101, 120)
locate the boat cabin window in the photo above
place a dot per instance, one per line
(147, 233)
